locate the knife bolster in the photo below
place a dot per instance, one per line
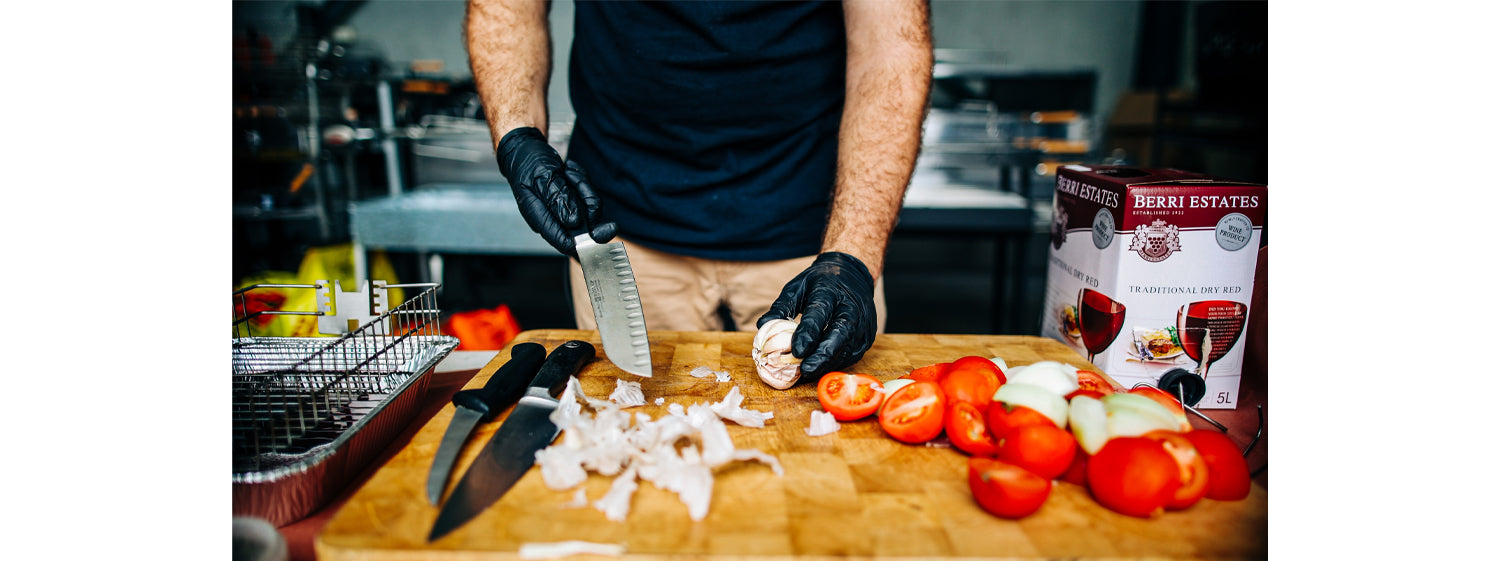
(470, 399)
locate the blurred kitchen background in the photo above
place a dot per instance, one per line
(359, 148)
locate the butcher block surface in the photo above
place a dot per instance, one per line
(856, 493)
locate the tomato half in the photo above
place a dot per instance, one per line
(914, 413)
(1167, 400)
(931, 372)
(849, 396)
(965, 427)
(1228, 473)
(1191, 468)
(1090, 383)
(973, 379)
(1003, 418)
(1006, 490)
(1135, 476)
(1045, 450)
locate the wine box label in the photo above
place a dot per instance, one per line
(1150, 275)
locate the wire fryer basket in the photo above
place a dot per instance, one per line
(295, 399)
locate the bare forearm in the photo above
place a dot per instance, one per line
(889, 75)
(510, 54)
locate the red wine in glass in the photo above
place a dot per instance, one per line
(1099, 320)
(1208, 329)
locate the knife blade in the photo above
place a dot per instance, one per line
(512, 450)
(482, 405)
(616, 303)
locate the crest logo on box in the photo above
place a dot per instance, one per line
(1157, 242)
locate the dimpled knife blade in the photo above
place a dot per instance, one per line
(616, 303)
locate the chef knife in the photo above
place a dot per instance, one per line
(482, 405)
(512, 450)
(616, 303)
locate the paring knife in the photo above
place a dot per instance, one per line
(473, 406)
(617, 304)
(512, 450)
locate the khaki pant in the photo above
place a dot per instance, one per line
(684, 293)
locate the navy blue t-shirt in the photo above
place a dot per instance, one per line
(710, 129)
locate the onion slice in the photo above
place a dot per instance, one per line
(563, 549)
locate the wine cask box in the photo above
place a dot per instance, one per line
(1150, 274)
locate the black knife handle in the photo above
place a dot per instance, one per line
(505, 385)
(563, 363)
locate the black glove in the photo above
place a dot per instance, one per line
(549, 194)
(836, 297)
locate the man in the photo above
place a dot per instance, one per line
(737, 148)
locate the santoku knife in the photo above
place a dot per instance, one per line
(473, 406)
(512, 450)
(616, 303)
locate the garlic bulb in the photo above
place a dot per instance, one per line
(772, 352)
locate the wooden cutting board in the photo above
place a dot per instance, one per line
(855, 493)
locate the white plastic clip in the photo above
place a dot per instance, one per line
(343, 312)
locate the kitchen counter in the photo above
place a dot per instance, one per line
(855, 493)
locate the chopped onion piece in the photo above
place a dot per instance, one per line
(592, 402)
(562, 467)
(729, 408)
(580, 500)
(704, 372)
(615, 504)
(890, 386)
(627, 394)
(718, 447)
(821, 423)
(636, 447)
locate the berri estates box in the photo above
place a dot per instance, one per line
(1150, 275)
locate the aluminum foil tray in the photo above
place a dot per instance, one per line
(286, 486)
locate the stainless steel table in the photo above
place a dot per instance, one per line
(483, 219)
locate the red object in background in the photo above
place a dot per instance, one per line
(483, 330)
(260, 301)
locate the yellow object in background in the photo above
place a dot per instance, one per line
(328, 263)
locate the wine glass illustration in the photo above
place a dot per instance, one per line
(1208, 329)
(1099, 320)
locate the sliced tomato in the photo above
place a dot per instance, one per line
(1228, 473)
(1092, 384)
(1003, 418)
(973, 379)
(850, 396)
(1134, 475)
(1167, 400)
(980, 363)
(914, 413)
(1006, 490)
(931, 372)
(1077, 473)
(965, 427)
(1045, 450)
(1191, 468)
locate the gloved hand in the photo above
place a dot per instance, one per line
(836, 297)
(556, 200)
